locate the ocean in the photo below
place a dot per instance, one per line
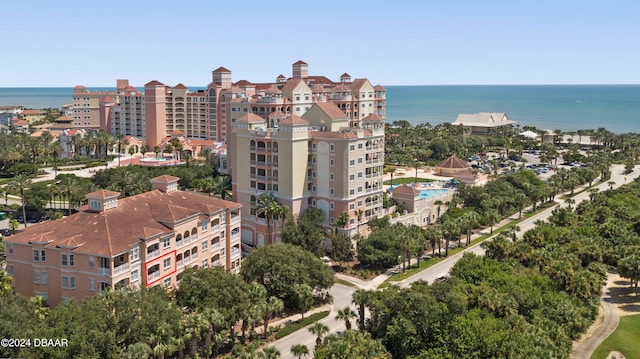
(563, 107)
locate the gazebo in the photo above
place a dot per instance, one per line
(451, 165)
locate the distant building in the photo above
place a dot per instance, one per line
(32, 116)
(140, 241)
(483, 123)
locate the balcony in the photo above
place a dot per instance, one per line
(153, 254)
(153, 276)
(121, 269)
(104, 271)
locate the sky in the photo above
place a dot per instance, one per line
(402, 42)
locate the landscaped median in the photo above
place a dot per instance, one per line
(426, 263)
(299, 324)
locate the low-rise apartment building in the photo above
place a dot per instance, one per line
(140, 241)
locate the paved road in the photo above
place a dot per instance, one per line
(342, 295)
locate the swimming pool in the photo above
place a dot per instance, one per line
(428, 193)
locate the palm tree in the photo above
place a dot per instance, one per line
(450, 228)
(439, 204)
(299, 350)
(360, 298)
(68, 183)
(269, 353)
(267, 207)
(432, 235)
(319, 330)
(471, 219)
(273, 306)
(342, 220)
(20, 183)
(305, 296)
(221, 186)
(492, 216)
(157, 150)
(358, 213)
(346, 314)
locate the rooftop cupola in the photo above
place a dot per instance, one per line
(165, 183)
(102, 200)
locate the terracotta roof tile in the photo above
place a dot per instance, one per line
(453, 162)
(180, 86)
(250, 117)
(114, 231)
(220, 69)
(154, 83)
(406, 189)
(293, 120)
(331, 110)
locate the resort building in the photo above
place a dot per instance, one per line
(323, 159)
(32, 116)
(483, 123)
(461, 171)
(228, 101)
(86, 106)
(140, 241)
(418, 203)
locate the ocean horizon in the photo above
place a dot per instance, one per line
(562, 107)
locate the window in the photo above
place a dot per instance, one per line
(135, 254)
(297, 98)
(352, 221)
(203, 227)
(205, 263)
(332, 191)
(135, 275)
(359, 189)
(92, 284)
(332, 162)
(352, 163)
(166, 243)
(359, 146)
(352, 177)
(313, 174)
(11, 270)
(332, 147)
(332, 177)
(68, 282)
(331, 220)
(167, 263)
(10, 248)
(359, 159)
(67, 260)
(359, 174)
(92, 261)
(167, 282)
(331, 206)
(352, 148)
(352, 192)
(204, 245)
(39, 255)
(40, 277)
(352, 207)
(359, 203)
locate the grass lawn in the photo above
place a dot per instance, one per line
(405, 180)
(624, 339)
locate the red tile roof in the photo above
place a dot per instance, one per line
(406, 189)
(220, 69)
(293, 120)
(180, 86)
(331, 110)
(154, 83)
(453, 162)
(114, 231)
(250, 117)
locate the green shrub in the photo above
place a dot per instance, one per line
(290, 328)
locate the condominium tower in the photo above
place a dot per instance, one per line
(308, 140)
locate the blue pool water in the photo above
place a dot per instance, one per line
(427, 193)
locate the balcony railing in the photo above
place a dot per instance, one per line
(121, 269)
(155, 275)
(153, 254)
(104, 271)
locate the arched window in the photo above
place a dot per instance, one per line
(194, 232)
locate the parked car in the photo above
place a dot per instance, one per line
(6, 232)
